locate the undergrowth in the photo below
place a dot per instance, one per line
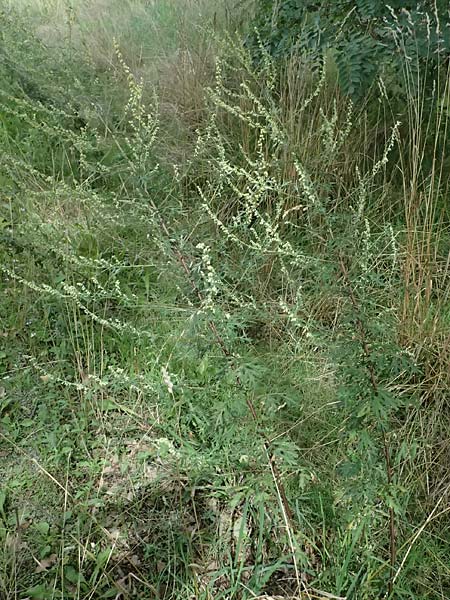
(225, 318)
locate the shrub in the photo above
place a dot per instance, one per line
(365, 38)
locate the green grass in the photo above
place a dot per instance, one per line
(213, 326)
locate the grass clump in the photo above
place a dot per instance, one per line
(225, 328)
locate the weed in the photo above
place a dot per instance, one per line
(224, 328)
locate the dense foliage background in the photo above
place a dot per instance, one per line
(365, 39)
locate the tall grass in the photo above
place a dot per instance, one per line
(225, 339)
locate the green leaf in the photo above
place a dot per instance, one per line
(72, 575)
(43, 527)
(103, 557)
(349, 469)
(41, 592)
